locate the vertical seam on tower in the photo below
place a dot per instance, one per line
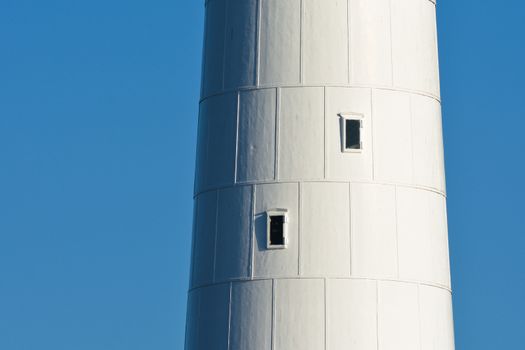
(324, 133)
(419, 316)
(350, 226)
(194, 241)
(348, 34)
(411, 137)
(377, 315)
(206, 155)
(436, 45)
(391, 43)
(252, 234)
(277, 130)
(226, 4)
(325, 318)
(215, 234)
(372, 132)
(447, 239)
(204, 49)
(272, 330)
(198, 296)
(397, 231)
(197, 175)
(257, 41)
(237, 136)
(301, 19)
(230, 315)
(187, 325)
(299, 227)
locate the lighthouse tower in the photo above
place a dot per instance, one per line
(320, 208)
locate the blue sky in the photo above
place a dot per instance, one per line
(98, 110)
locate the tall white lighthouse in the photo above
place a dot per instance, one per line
(320, 208)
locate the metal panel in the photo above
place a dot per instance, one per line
(429, 169)
(280, 40)
(351, 314)
(233, 233)
(422, 234)
(437, 331)
(201, 152)
(251, 316)
(204, 245)
(213, 322)
(392, 136)
(325, 41)
(192, 321)
(214, 47)
(219, 116)
(415, 56)
(295, 302)
(325, 229)
(374, 240)
(256, 144)
(240, 43)
(366, 228)
(348, 166)
(301, 135)
(276, 263)
(370, 42)
(398, 321)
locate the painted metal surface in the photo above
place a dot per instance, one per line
(366, 265)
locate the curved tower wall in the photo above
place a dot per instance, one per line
(367, 265)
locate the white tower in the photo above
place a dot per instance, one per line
(320, 214)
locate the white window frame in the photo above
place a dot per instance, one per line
(351, 116)
(277, 212)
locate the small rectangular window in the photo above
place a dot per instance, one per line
(351, 138)
(277, 230)
(353, 134)
(277, 222)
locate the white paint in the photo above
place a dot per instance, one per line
(232, 248)
(324, 237)
(240, 44)
(280, 42)
(217, 132)
(299, 314)
(414, 45)
(325, 60)
(392, 137)
(374, 233)
(427, 140)
(301, 130)
(209, 321)
(366, 265)
(256, 137)
(251, 310)
(437, 331)
(213, 60)
(398, 316)
(422, 231)
(204, 239)
(351, 314)
(370, 42)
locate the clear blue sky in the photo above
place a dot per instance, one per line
(98, 109)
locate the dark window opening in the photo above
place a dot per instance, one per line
(277, 230)
(353, 134)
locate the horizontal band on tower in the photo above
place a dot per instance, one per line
(353, 278)
(348, 86)
(206, 2)
(380, 183)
